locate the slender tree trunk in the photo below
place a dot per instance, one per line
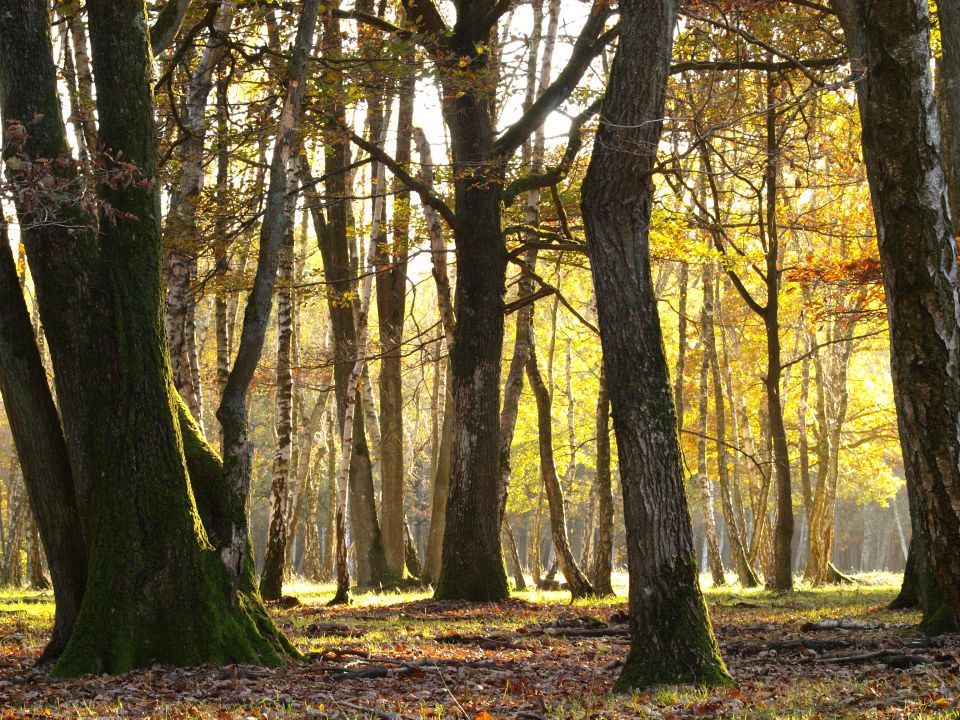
(181, 235)
(703, 480)
(948, 101)
(391, 308)
(42, 451)
(341, 274)
(576, 580)
(745, 573)
(601, 567)
(274, 561)
(518, 580)
(441, 469)
(671, 637)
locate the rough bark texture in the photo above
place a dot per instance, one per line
(472, 560)
(671, 637)
(147, 522)
(901, 148)
(948, 101)
(41, 450)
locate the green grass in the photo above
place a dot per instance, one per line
(544, 675)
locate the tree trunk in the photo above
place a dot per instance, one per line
(341, 275)
(472, 566)
(576, 580)
(745, 573)
(890, 40)
(703, 480)
(948, 101)
(42, 451)
(181, 239)
(391, 308)
(274, 561)
(154, 534)
(441, 467)
(783, 530)
(601, 566)
(671, 637)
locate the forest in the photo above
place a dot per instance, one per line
(479, 358)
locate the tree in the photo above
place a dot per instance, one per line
(155, 515)
(889, 46)
(671, 637)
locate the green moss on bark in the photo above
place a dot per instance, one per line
(672, 642)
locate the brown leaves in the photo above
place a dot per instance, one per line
(515, 661)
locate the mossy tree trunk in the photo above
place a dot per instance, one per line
(671, 637)
(148, 501)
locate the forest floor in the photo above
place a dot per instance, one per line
(835, 653)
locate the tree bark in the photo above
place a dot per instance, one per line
(41, 450)
(391, 309)
(148, 523)
(441, 468)
(182, 242)
(274, 561)
(745, 573)
(703, 480)
(601, 566)
(671, 637)
(576, 580)
(890, 41)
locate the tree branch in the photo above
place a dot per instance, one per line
(167, 24)
(427, 196)
(720, 65)
(590, 43)
(558, 172)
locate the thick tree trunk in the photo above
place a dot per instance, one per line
(671, 637)
(472, 565)
(135, 499)
(890, 40)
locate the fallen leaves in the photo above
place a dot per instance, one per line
(518, 661)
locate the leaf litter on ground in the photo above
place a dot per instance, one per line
(817, 653)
